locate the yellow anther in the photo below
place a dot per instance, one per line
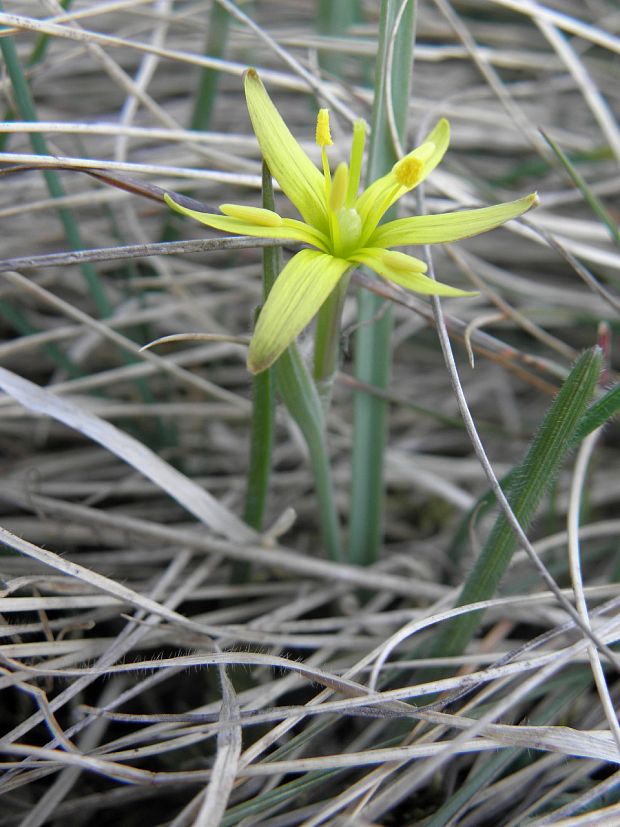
(323, 135)
(253, 215)
(408, 171)
(340, 184)
(403, 263)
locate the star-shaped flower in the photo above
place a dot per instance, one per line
(342, 228)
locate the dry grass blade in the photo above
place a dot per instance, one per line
(225, 767)
(197, 501)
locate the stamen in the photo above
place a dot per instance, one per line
(408, 172)
(253, 215)
(403, 263)
(410, 169)
(323, 134)
(355, 162)
(327, 176)
(339, 187)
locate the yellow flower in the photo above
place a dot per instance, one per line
(340, 226)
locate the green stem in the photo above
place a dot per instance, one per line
(327, 340)
(301, 398)
(263, 397)
(373, 339)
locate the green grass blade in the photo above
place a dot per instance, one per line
(206, 90)
(595, 203)
(333, 21)
(36, 56)
(287, 791)
(215, 46)
(27, 111)
(599, 413)
(16, 318)
(373, 339)
(531, 480)
(299, 394)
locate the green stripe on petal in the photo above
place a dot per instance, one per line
(289, 229)
(385, 191)
(452, 226)
(404, 270)
(299, 178)
(298, 293)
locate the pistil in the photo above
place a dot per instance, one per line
(355, 161)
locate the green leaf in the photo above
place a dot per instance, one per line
(374, 335)
(529, 482)
(215, 46)
(595, 203)
(301, 398)
(599, 413)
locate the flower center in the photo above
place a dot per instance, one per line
(349, 226)
(345, 223)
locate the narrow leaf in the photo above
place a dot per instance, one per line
(592, 200)
(374, 335)
(301, 398)
(530, 481)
